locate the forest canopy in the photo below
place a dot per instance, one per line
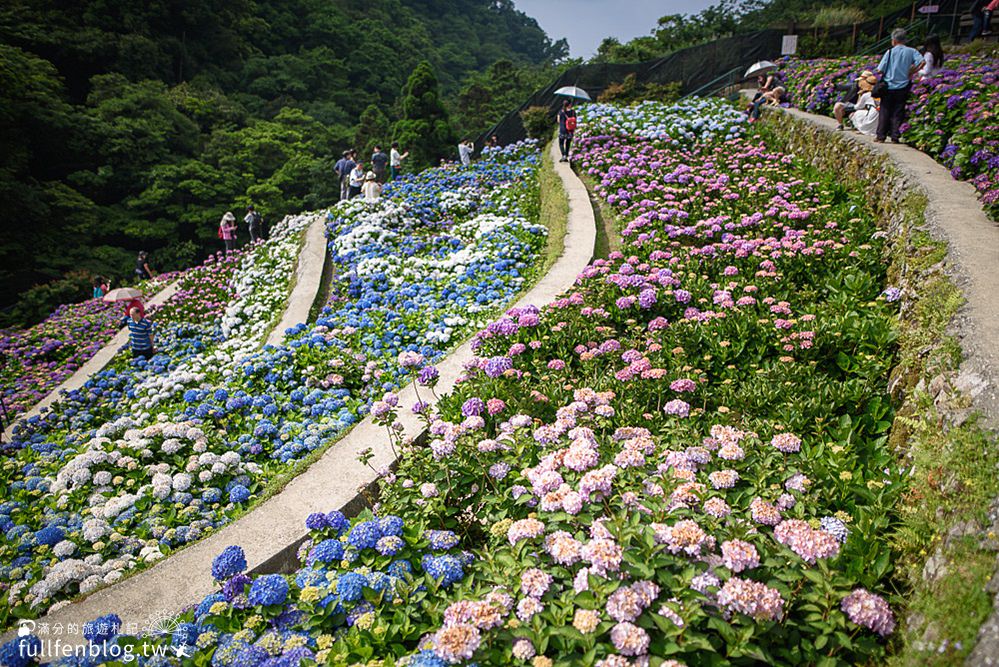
(135, 125)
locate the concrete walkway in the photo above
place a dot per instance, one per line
(954, 215)
(93, 365)
(308, 280)
(271, 533)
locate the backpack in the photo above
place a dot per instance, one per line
(570, 124)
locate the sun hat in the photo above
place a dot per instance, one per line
(371, 176)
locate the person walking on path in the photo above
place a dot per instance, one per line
(897, 66)
(140, 333)
(255, 222)
(566, 128)
(465, 150)
(372, 188)
(142, 270)
(356, 181)
(395, 160)
(227, 231)
(379, 163)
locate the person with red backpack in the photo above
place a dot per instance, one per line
(566, 128)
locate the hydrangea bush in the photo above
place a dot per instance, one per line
(150, 456)
(951, 114)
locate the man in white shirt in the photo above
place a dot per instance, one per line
(395, 160)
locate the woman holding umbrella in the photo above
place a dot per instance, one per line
(566, 128)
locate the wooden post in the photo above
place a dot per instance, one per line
(881, 29)
(853, 40)
(912, 14)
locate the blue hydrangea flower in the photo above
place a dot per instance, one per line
(231, 561)
(350, 586)
(185, 634)
(364, 535)
(390, 525)
(102, 628)
(269, 589)
(446, 569)
(327, 551)
(441, 540)
(239, 494)
(337, 521)
(316, 521)
(206, 604)
(400, 568)
(835, 527)
(389, 545)
(426, 658)
(21, 651)
(50, 535)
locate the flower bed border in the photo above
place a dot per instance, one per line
(944, 250)
(274, 528)
(93, 365)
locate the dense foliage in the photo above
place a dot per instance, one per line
(733, 17)
(133, 126)
(951, 114)
(149, 456)
(681, 461)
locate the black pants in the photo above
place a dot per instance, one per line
(564, 143)
(230, 244)
(254, 232)
(892, 113)
(145, 354)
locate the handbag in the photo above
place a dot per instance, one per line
(881, 87)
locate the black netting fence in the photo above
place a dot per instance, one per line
(693, 68)
(710, 68)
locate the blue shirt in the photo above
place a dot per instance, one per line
(898, 61)
(139, 333)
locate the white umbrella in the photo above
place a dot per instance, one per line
(122, 294)
(762, 67)
(573, 92)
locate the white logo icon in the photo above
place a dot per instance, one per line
(25, 627)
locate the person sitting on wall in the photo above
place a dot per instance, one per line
(847, 104)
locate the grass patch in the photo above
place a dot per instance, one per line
(554, 211)
(608, 236)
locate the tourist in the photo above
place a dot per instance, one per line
(372, 189)
(142, 270)
(933, 57)
(356, 181)
(140, 333)
(494, 142)
(774, 97)
(395, 160)
(101, 287)
(990, 9)
(865, 114)
(566, 128)
(897, 67)
(342, 169)
(379, 162)
(465, 150)
(255, 222)
(847, 104)
(227, 231)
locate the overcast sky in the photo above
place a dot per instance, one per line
(585, 23)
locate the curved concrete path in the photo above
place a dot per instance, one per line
(93, 365)
(308, 280)
(270, 533)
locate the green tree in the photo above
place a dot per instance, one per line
(424, 129)
(372, 129)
